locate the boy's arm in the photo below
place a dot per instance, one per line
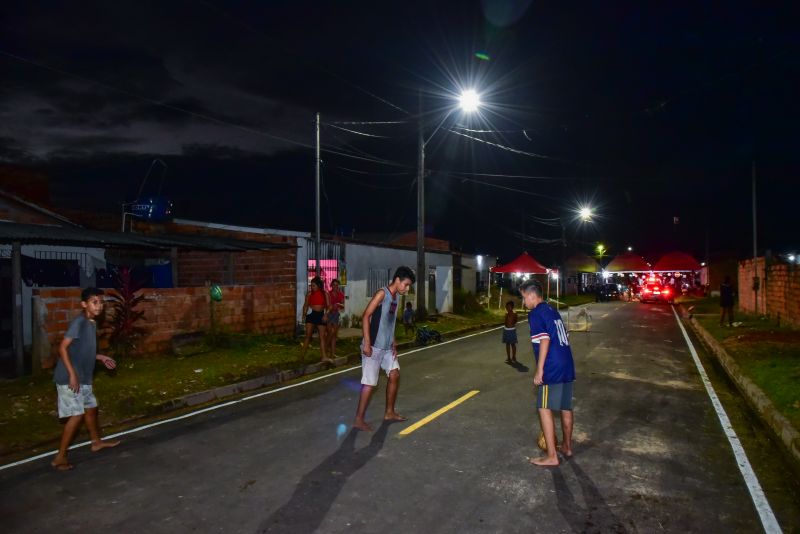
(365, 319)
(107, 361)
(544, 346)
(63, 353)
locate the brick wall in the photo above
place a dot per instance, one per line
(245, 308)
(778, 295)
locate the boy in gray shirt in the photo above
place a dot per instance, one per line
(73, 377)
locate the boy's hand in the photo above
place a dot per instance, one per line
(74, 385)
(108, 362)
(538, 378)
(367, 351)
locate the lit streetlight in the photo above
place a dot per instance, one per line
(469, 101)
(585, 213)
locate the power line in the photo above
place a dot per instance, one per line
(498, 186)
(356, 131)
(503, 147)
(368, 122)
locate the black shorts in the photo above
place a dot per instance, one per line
(315, 317)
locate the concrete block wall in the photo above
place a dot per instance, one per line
(265, 309)
(779, 292)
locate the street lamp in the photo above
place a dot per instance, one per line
(586, 213)
(469, 101)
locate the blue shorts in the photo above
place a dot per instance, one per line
(554, 396)
(509, 335)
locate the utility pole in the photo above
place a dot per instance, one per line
(16, 314)
(421, 270)
(756, 282)
(317, 243)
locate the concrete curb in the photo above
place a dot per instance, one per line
(279, 377)
(781, 428)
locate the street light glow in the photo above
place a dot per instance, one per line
(585, 213)
(630, 249)
(469, 100)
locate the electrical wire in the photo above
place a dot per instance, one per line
(503, 147)
(498, 186)
(355, 131)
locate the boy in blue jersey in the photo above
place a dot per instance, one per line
(555, 371)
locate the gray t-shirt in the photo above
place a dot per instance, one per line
(82, 351)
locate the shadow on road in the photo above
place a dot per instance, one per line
(318, 489)
(596, 516)
(520, 367)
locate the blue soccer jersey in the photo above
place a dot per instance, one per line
(545, 323)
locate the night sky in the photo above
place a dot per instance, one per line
(645, 112)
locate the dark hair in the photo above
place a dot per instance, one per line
(335, 281)
(90, 292)
(531, 285)
(510, 303)
(317, 281)
(409, 305)
(404, 272)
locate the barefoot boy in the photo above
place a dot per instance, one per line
(73, 377)
(555, 371)
(510, 333)
(379, 347)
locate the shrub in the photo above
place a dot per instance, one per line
(125, 316)
(464, 302)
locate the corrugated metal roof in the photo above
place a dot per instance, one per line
(29, 234)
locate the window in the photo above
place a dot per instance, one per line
(376, 279)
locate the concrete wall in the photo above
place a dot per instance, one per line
(779, 292)
(266, 309)
(361, 258)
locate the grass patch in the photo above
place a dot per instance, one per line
(28, 418)
(767, 353)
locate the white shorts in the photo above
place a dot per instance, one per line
(71, 403)
(372, 365)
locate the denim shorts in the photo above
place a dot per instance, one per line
(71, 403)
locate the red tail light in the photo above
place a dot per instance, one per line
(645, 290)
(666, 291)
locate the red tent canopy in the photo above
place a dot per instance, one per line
(677, 261)
(525, 263)
(628, 262)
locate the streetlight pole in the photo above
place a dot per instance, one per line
(421, 270)
(317, 241)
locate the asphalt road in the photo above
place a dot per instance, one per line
(650, 454)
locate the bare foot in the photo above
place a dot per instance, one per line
(544, 461)
(104, 445)
(61, 464)
(566, 451)
(394, 416)
(362, 425)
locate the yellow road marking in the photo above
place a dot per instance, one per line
(438, 412)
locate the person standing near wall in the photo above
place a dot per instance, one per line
(726, 301)
(316, 299)
(336, 297)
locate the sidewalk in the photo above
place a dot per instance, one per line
(763, 360)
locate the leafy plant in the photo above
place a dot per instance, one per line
(125, 316)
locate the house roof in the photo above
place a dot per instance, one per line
(524, 263)
(60, 235)
(36, 207)
(582, 263)
(677, 261)
(628, 262)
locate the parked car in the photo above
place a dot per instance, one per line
(653, 292)
(607, 292)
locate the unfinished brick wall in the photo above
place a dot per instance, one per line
(255, 267)
(779, 292)
(267, 309)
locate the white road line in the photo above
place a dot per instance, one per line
(763, 508)
(231, 403)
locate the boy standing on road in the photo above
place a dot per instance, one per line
(510, 333)
(555, 371)
(73, 377)
(379, 347)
